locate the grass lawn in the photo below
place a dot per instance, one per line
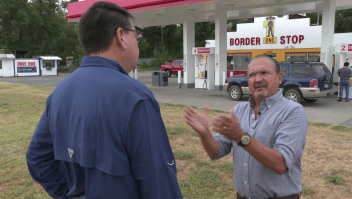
(326, 163)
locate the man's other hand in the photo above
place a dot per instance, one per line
(199, 122)
(229, 126)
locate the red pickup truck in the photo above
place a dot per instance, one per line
(177, 65)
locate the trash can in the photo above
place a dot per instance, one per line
(163, 79)
(159, 79)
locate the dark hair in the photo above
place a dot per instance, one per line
(346, 63)
(276, 65)
(98, 24)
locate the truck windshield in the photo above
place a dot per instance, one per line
(178, 62)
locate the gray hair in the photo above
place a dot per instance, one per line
(275, 64)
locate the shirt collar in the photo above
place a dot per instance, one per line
(268, 101)
(95, 61)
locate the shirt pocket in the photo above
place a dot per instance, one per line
(266, 134)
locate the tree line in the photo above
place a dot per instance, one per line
(40, 27)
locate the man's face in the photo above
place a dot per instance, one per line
(132, 50)
(263, 81)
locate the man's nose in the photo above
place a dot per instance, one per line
(258, 77)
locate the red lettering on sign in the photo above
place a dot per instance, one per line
(237, 41)
(294, 39)
(245, 41)
(282, 38)
(242, 41)
(301, 37)
(248, 41)
(349, 47)
(31, 63)
(288, 39)
(21, 64)
(203, 50)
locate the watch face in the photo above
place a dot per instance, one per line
(245, 140)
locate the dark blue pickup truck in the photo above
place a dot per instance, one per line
(301, 80)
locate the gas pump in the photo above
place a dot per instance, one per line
(202, 73)
(204, 67)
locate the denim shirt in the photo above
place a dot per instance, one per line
(102, 136)
(282, 125)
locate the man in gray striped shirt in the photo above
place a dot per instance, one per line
(267, 135)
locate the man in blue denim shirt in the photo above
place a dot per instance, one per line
(101, 134)
(344, 73)
(267, 135)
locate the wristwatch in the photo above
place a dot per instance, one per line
(245, 140)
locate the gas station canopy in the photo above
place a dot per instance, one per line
(166, 12)
(188, 12)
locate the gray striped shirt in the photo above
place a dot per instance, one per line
(282, 125)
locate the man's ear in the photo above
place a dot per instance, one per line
(120, 37)
(280, 77)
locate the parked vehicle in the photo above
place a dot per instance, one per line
(307, 81)
(177, 65)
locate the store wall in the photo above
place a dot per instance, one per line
(289, 33)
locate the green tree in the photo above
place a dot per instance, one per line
(170, 39)
(38, 26)
(203, 31)
(343, 20)
(16, 24)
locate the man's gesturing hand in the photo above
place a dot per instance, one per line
(228, 126)
(199, 122)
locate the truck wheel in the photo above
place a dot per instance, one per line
(294, 95)
(168, 73)
(235, 93)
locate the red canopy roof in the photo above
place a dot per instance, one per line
(76, 9)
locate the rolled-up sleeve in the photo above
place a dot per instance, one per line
(152, 161)
(225, 145)
(42, 165)
(291, 136)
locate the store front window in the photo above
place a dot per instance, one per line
(313, 56)
(230, 61)
(296, 56)
(0, 64)
(49, 63)
(241, 61)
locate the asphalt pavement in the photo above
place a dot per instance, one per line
(325, 110)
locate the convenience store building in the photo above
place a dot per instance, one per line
(285, 40)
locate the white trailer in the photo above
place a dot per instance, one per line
(26, 67)
(6, 65)
(48, 65)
